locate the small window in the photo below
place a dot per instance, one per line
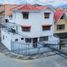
(28, 40)
(22, 38)
(13, 30)
(3, 37)
(45, 38)
(48, 27)
(46, 15)
(16, 39)
(61, 27)
(6, 20)
(25, 15)
(25, 29)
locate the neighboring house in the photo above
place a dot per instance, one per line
(8, 12)
(5, 12)
(2, 10)
(29, 27)
(60, 23)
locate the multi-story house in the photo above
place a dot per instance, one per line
(28, 27)
(60, 23)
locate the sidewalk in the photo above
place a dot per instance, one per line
(51, 61)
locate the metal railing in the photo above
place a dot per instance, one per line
(27, 49)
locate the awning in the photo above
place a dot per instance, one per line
(47, 25)
(25, 26)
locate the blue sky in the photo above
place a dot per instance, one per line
(46, 2)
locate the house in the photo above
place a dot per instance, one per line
(1, 16)
(29, 27)
(1, 13)
(60, 23)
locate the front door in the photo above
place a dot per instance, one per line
(35, 42)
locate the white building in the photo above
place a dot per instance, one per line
(28, 27)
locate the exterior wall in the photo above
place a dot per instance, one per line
(36, 20)
(1, 16)
(7, 38)
(53, 40)
(64, 21)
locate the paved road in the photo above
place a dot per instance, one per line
(51, 61)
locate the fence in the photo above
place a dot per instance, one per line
(27, 49)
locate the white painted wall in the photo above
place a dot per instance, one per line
(36, 20)
(7, 38)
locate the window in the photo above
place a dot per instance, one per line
(28, 40)
(13, 30)
(61, 27)
(46, 15)
(45, 38)
(6, 20)
(62, 17)
(25, 15)
(22, 38)
(3, 37)
(25, 29)
(16, 39)
(47, 27)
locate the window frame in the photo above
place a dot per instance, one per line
(43, 38)
(59, 28)
(6, 20)
(46, 27)
(28, 40)
(47, 15)
(22, 38)
(25, 16)
(16, 40)
(28, 28)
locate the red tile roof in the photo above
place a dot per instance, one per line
(58, 13)
(29, 7)
(8, 9)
